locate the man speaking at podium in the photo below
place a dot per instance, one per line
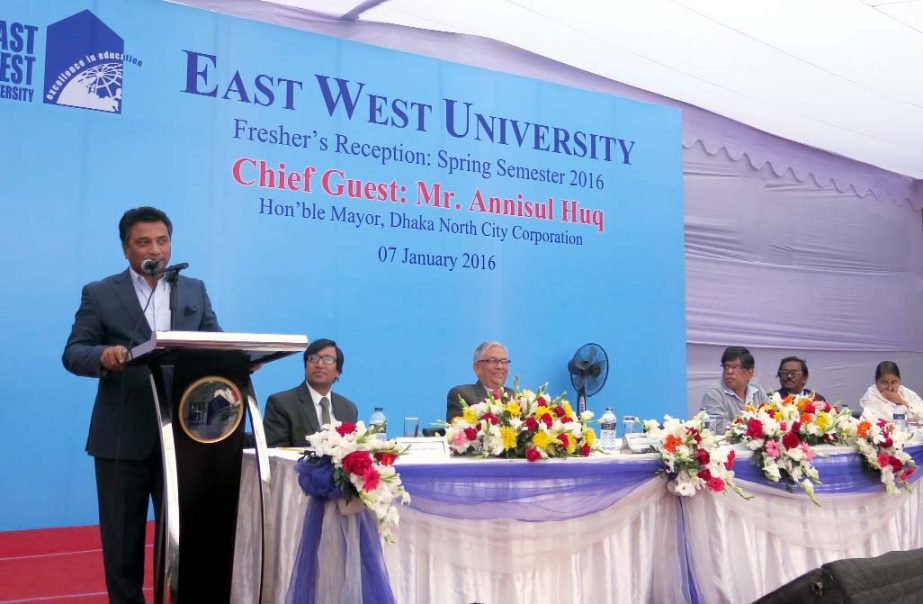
(115, 314)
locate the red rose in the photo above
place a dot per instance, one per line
(827, 407)
(883, 459)
(497, 395)
(697, 438)
(585, 450)
(559, 411)
(791, 440)
(729, 464)
(531, 424)
(546, 419)
(705, 474)
(345, 428)
(566, 419)
(754, 428)
(532, 454)
(370, 480)
(542, 401)
(896, 464)
(715, 484)
(887, 443)
(490, 417)
(565, 440)
(357, 462)
(702, 457)
(908, 470)
(386, 459)
(471, 433)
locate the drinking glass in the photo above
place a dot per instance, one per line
(631, 424)
(411, 426)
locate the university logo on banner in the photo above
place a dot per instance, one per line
(84, 61)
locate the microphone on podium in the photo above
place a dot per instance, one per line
(150, 265)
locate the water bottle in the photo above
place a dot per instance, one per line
(378, 419)
(899, 417)
(607, 437)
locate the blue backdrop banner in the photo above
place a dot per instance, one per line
(406, 207)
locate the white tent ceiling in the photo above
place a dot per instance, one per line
(845, 76)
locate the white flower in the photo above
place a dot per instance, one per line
(771, 470)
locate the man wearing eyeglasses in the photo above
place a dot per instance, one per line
(728, 397)
(294, 414)
(491, 366)
(793, 375)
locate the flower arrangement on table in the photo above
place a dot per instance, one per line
(692, 457)
(529, 425)
(349, 463)
(881, 445)
(781, 433)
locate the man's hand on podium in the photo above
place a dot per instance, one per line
(114, 357)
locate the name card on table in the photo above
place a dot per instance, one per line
(424, 448)
(638, 443)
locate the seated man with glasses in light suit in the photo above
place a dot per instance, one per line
(294, 414)
(793, 375)
(491, 366)
(728, 397)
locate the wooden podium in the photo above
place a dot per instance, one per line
(202, 391)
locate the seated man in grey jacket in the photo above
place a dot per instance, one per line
(293, 414)
(491, 366)
(728, 397)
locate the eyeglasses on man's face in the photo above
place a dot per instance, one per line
(495, 362)
(790, 373)
(326, 359)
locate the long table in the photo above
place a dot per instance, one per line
(601, 529)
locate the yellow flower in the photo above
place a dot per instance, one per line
(779, 416)
(470, 416)
(568, 410)
(822, 419)
(540, 411)
(509, 437)
(589, 436)
(514, 409)
(541, 440)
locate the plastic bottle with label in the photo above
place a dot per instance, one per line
(607, 434)
(378, 419)
(899, 417)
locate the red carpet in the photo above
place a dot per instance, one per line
(59, 565)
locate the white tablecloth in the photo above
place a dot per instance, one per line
(634, 551)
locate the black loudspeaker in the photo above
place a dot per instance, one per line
(895, 578)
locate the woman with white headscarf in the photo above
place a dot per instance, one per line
(887, 395)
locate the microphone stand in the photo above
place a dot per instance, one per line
(172, 278)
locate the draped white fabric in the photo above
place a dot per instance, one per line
(634, 551)
(741, 550)
(625, 553)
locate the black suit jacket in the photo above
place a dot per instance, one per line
(124, 424)
(291, 416)
(472, 393)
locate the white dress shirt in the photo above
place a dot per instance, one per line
(157, 312)
(315, 397)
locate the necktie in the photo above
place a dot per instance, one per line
(324, 411)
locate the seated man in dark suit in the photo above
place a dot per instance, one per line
(793, 375)
(294, 414)
(491, 365)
